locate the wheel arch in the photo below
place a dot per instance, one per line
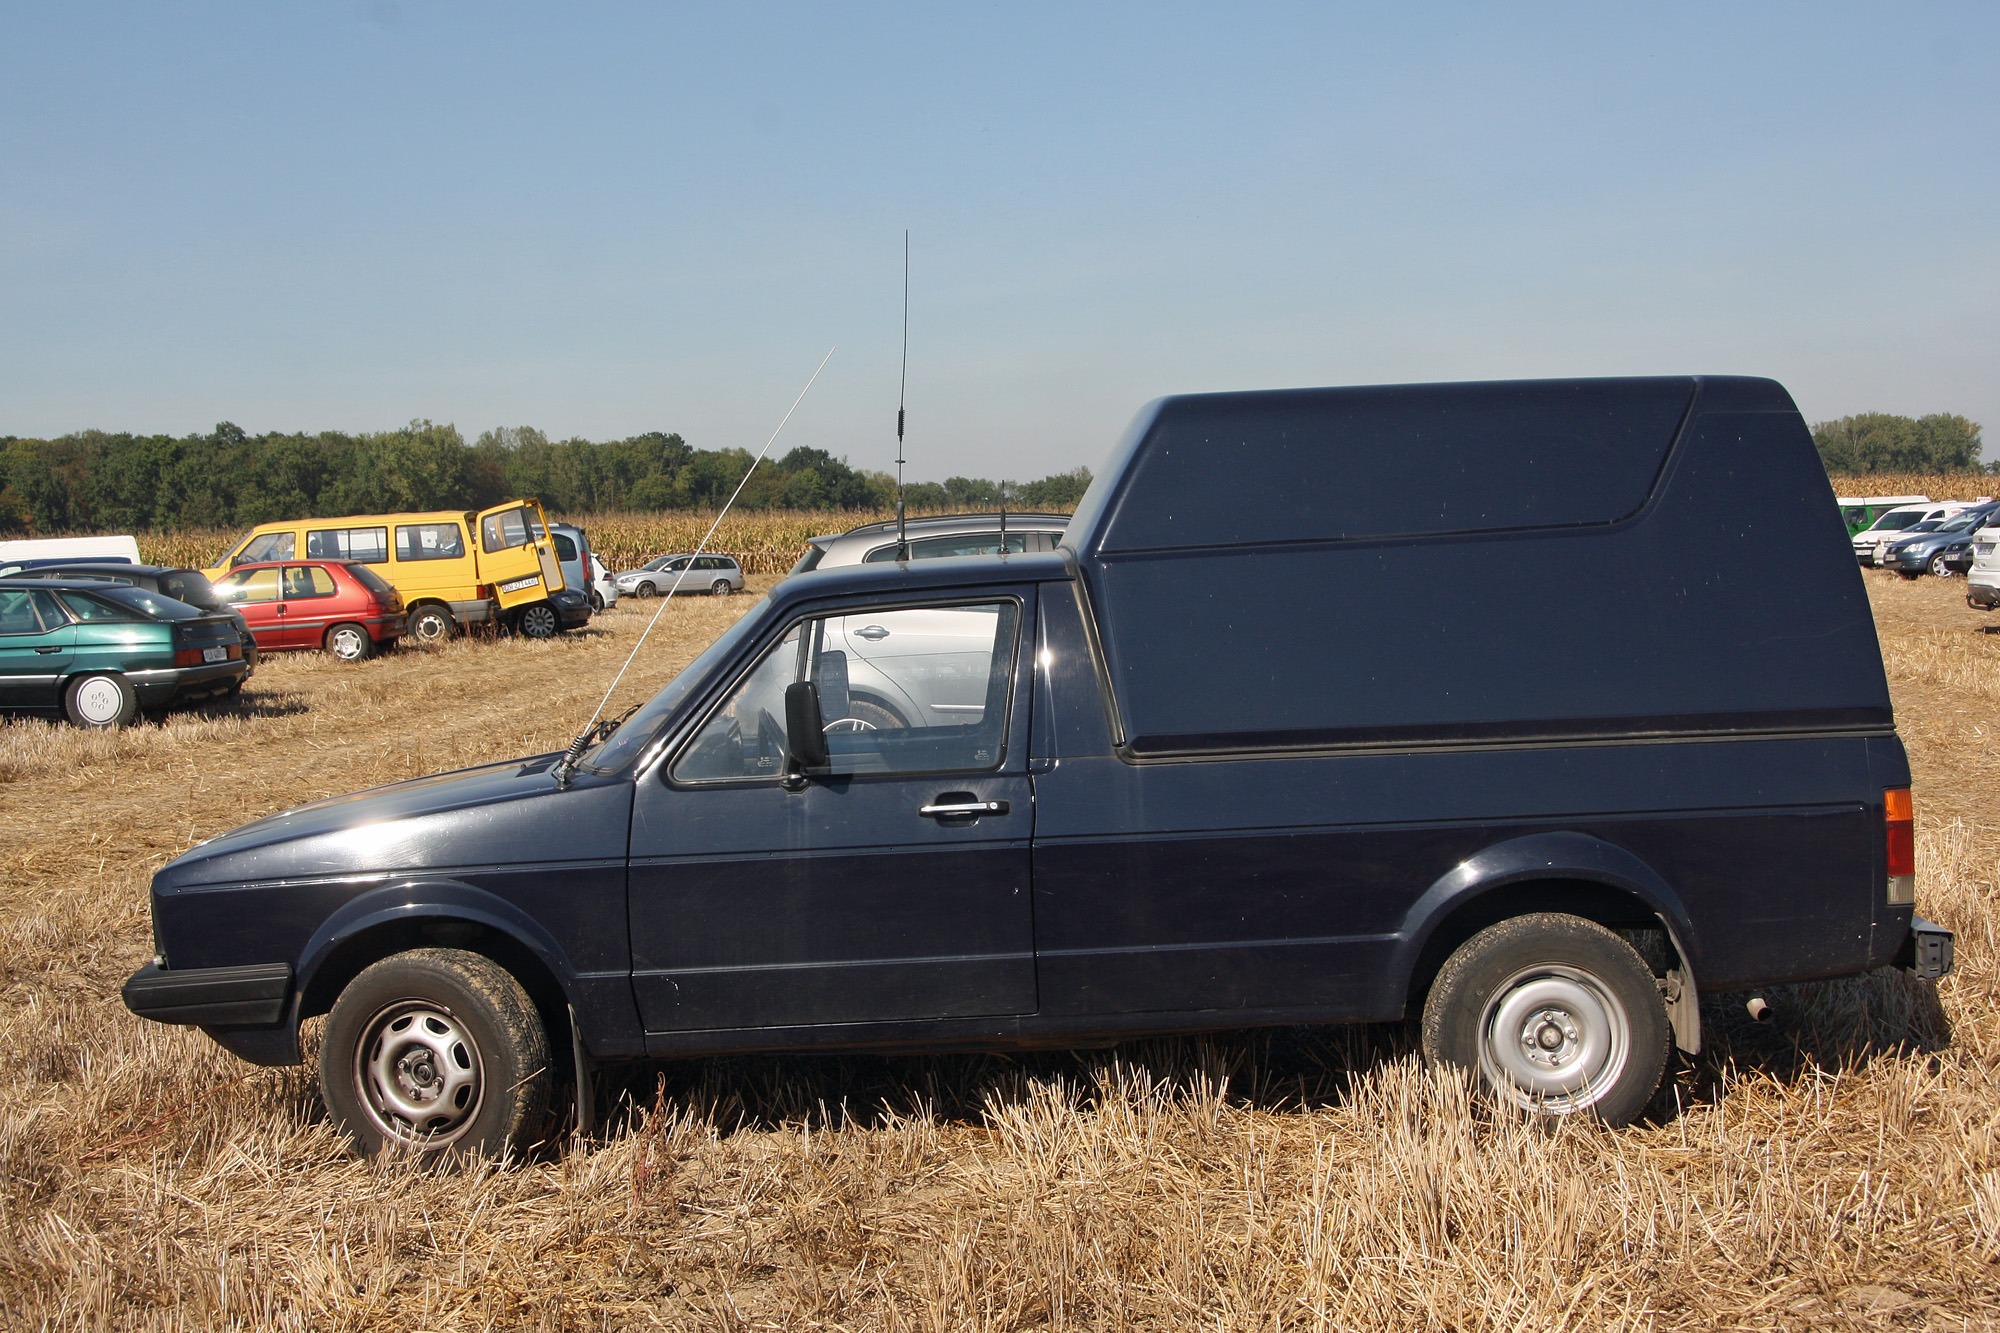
(448, 915)
(1568, 872)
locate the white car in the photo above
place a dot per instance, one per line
(603, 588)
(1982, 581)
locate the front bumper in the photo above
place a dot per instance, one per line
(251, 995)
(572, 608)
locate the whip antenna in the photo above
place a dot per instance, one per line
(567, 764)
(902, 388)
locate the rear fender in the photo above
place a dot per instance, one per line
(1565, 857)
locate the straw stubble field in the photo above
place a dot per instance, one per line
(1839, 1167)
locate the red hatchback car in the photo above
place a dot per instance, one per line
(345, 608)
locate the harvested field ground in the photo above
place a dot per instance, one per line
(1839, 1167)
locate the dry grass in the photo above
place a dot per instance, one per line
(1837, 1168)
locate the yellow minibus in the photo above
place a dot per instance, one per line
(454, 568)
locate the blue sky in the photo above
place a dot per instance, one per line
(603, 219)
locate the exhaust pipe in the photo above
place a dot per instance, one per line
(1759, 1010)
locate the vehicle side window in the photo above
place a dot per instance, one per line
(676, 566)
(249, 585)
(369, 545)
(18, 614)
(903, 690)
(88, 609)
(270, 546)
(505, 530)
(303, 581)
(565, 548)
(711, 562)
(429, 541)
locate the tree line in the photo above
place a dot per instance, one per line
(1884, 442)
(97, 481)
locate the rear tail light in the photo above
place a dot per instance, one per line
(1899, 814)
(484, 592)
(187, 657)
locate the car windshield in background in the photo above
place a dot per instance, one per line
(623, 745)
(151, 603)
(1897, 519)
(192, 587)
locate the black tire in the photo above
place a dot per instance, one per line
(645, 590)
(538, 621)
(349, 642)
(1589, 1022)
(101, 701)
(1910, 573)
(435, 1051)
(429, 624)
(721, 588)
(874, 716)
(596, 602)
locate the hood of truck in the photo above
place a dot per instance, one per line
(501, 814)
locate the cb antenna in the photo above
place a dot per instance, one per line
(902, 388)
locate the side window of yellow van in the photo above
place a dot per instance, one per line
(368, 545)
(429, 541)
(268, 546)
(505, 530)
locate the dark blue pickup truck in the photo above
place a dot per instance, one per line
(1333, 705)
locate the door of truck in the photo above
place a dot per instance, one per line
(893, 889)
(516, 556)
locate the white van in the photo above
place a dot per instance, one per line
(15, 554)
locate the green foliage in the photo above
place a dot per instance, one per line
(1883, 442)
(93, 481)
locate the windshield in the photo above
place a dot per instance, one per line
(624, 745)
(1964, 522)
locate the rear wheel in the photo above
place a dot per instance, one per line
(436, 1050)
(1555, 1015)
(596, 602)
(537, 621)
(101, 701)
(721, 588)
(349, 642)
(429, 624)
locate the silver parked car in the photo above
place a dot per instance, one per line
(934, 536)
(717, 574)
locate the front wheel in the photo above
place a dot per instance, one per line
(350, 643)
(1555, 1015)
(429, 624)
(1910, 573)
(1939, 567)
(644, 590)
(101, 701)
(435, 1050)
(538, 621)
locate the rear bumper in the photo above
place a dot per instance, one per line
(387, 627)
(165, 684)
(252, 995)
(1928, 950)
(477, 612)
(1981, 594)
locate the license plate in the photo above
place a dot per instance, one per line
(215, 654)
(1984, 548)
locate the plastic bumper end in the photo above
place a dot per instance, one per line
(1927, 953)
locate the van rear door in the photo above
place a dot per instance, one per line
(516, 555)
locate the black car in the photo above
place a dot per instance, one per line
(183, 585)
(1300, 724)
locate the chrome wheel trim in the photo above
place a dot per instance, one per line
(430, 626)
(417, 1075)
(538, 622)
(99, 701)
(1553, 1039)
(349, 643)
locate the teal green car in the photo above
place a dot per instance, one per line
(100, 655)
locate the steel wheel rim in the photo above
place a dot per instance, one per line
(1553, 1039)
(429, 627)
(347, 643)
(418, 1075)
(538, 622)
(99, 701)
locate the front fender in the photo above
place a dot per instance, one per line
(1569, 856)
(431, 900)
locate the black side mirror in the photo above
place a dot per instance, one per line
(805, 732)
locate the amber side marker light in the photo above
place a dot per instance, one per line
(1900, 816)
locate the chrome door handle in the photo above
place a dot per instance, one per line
(965, 808)
(873, 633)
